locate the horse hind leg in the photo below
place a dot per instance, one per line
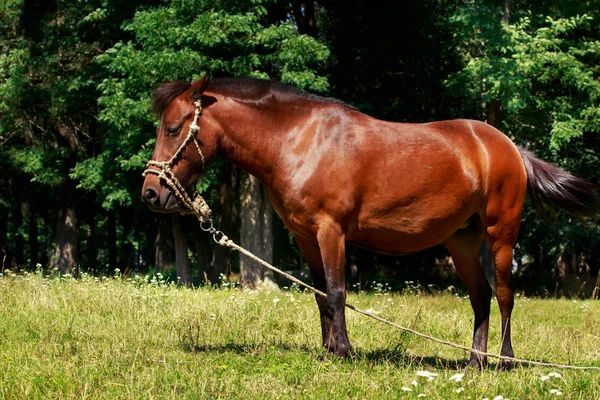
(501, 237)
(502, 252)
(464, 248)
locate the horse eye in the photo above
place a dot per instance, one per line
(172, 130)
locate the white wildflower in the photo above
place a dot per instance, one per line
(499, 397)
(460, 389)
(421, 395)
(457, 377)
(555, 375)
(276, 300)
(414, 383)
(406, 389)
(556, 392)
(427, 374)
(544, 378)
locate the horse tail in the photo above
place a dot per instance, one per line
(555, 188)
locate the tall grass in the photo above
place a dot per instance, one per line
(145, 338)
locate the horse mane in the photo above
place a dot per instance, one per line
(166, 93)
(241, 89)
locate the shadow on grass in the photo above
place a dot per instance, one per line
(396, 356)
(246, 348)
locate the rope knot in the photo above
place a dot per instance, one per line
(201, 208)
(224, 241)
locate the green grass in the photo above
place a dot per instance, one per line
(113, 338)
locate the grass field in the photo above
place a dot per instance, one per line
(143, 338)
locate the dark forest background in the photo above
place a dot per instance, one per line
(77, 76)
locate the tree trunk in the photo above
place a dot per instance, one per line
(111, 241)
(125, 256)
(182, 261)
(492, 111)
(90, 239)
(165, 248)
(3, 237)
(267, 233)
(506, 11)
(494, 107)
(46, 228)
(226, 223)
(256, 233)
(204, 252)
(304, 15)
(29, 213)
(67, 232)
(17, 258)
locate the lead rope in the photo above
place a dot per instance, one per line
(202, 211)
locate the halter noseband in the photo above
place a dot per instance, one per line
(198, 205)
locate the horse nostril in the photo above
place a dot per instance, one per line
(150, 194)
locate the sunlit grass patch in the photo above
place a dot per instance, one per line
(142, 337)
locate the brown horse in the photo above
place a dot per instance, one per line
(338, 176)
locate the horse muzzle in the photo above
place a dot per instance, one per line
(159, 198)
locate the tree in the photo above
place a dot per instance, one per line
(48, 81)
(256, 231)
(542, 75)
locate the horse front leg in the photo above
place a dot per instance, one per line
(312, 255)
(332, 245)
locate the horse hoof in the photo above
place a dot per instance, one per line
(329, 348)
(342, 351)
(504, 366)
(477, 363)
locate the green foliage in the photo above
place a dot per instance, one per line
(76, 78)
(544, 77)
(183, 40)
(542, 73)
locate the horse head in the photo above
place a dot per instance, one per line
(184, 143)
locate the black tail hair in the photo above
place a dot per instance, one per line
(555, 188)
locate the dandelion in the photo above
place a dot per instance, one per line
(460, 389)
(457, 377)
(406, 389)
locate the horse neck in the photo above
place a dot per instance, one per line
(254, 138)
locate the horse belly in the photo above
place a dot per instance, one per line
(401, 222)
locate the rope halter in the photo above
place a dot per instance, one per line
(196, 206)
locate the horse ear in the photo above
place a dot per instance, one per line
(198, 87)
